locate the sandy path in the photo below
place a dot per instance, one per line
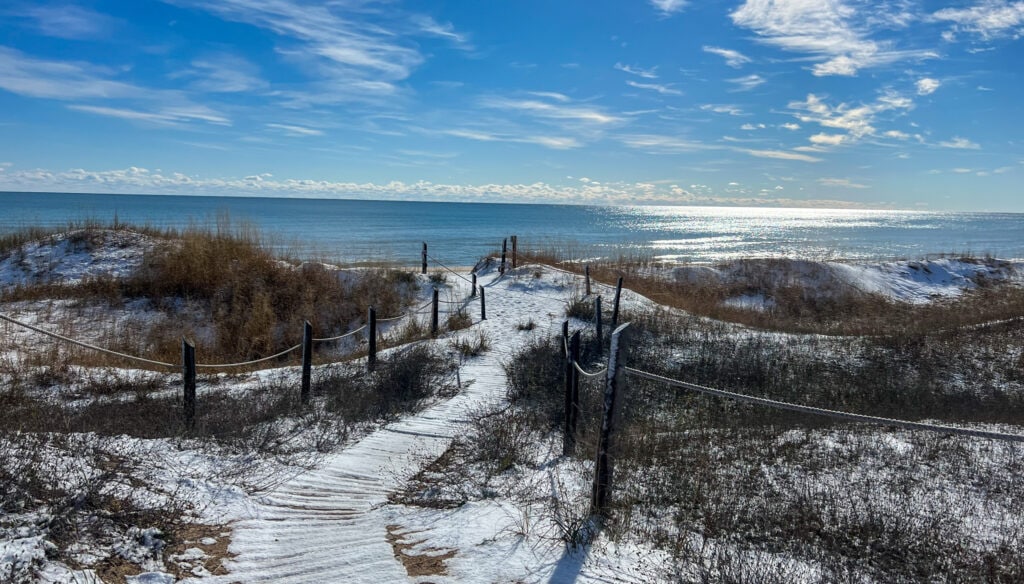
(324, 525)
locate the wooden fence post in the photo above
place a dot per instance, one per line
(371, 338)
(586, 275)
(472, 294)
(307, 359)
(574, 354)
(572, 394)
(568, 440)
(597, 322)
(433, 315)
(515, 251)
(424, 271)
(615, 384)
(483, 305)
(615, 310)
(504, 250)
(188, 371)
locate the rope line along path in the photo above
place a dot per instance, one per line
(826, 412)
(436, 261)
(87, 345)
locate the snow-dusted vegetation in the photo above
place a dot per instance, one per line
(447, 462)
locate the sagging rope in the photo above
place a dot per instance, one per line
(825, 412)
(339, 337)
(587, 374)
(87, 345)
(246, 363)
(436, 261)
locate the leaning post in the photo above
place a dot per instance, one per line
(598, 327)
(515, 250)
(586, 277)
(615, 309)
(504, 251)
(483, 304)
(424, 266)
(188, 370)
(371, 338)
(615, 384)
(307, 359)
(472, 293)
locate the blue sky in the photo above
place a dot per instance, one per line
(829, 103)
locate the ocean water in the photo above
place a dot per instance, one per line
(460, 233)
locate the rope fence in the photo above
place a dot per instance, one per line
(839, 415)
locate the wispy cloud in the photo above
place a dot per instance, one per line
(297, 131)
(841, 182)
(349, 50)
(165, 116)
(84, 82)
(732, 58)
(960, 143)
(668, 7)
(553, 142)
(552, 111)
(751, 127)
(790, 126)
(662, 89)
(223, 73)
(748, 82)
(68, 21)
(782, 155)
(833, 32)
(732, 110)
(428, 26)
(64, 80)
(927, 85)
(988, 19)
(663, 144)
(651, 73)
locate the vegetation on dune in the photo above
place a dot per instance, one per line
(225, 287)
(836, 309)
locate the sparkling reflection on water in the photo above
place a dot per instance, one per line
(460, 233)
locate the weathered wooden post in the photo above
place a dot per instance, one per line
(483, 304)
(615, 384)
(307, 359)
(574, 354)
(565, 336)
(571, 395)
(568, 441)
(504, 251)
(515, 251)
(586, 276)
(424, 271)
(188, 374)
(598, 327)
(472, 293)
(615, 309)
(433, 315)
(371, 338)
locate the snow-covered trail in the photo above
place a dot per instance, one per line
(324, 525)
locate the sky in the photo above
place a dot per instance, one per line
(810, 103)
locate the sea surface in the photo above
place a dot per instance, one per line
(460, 233)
